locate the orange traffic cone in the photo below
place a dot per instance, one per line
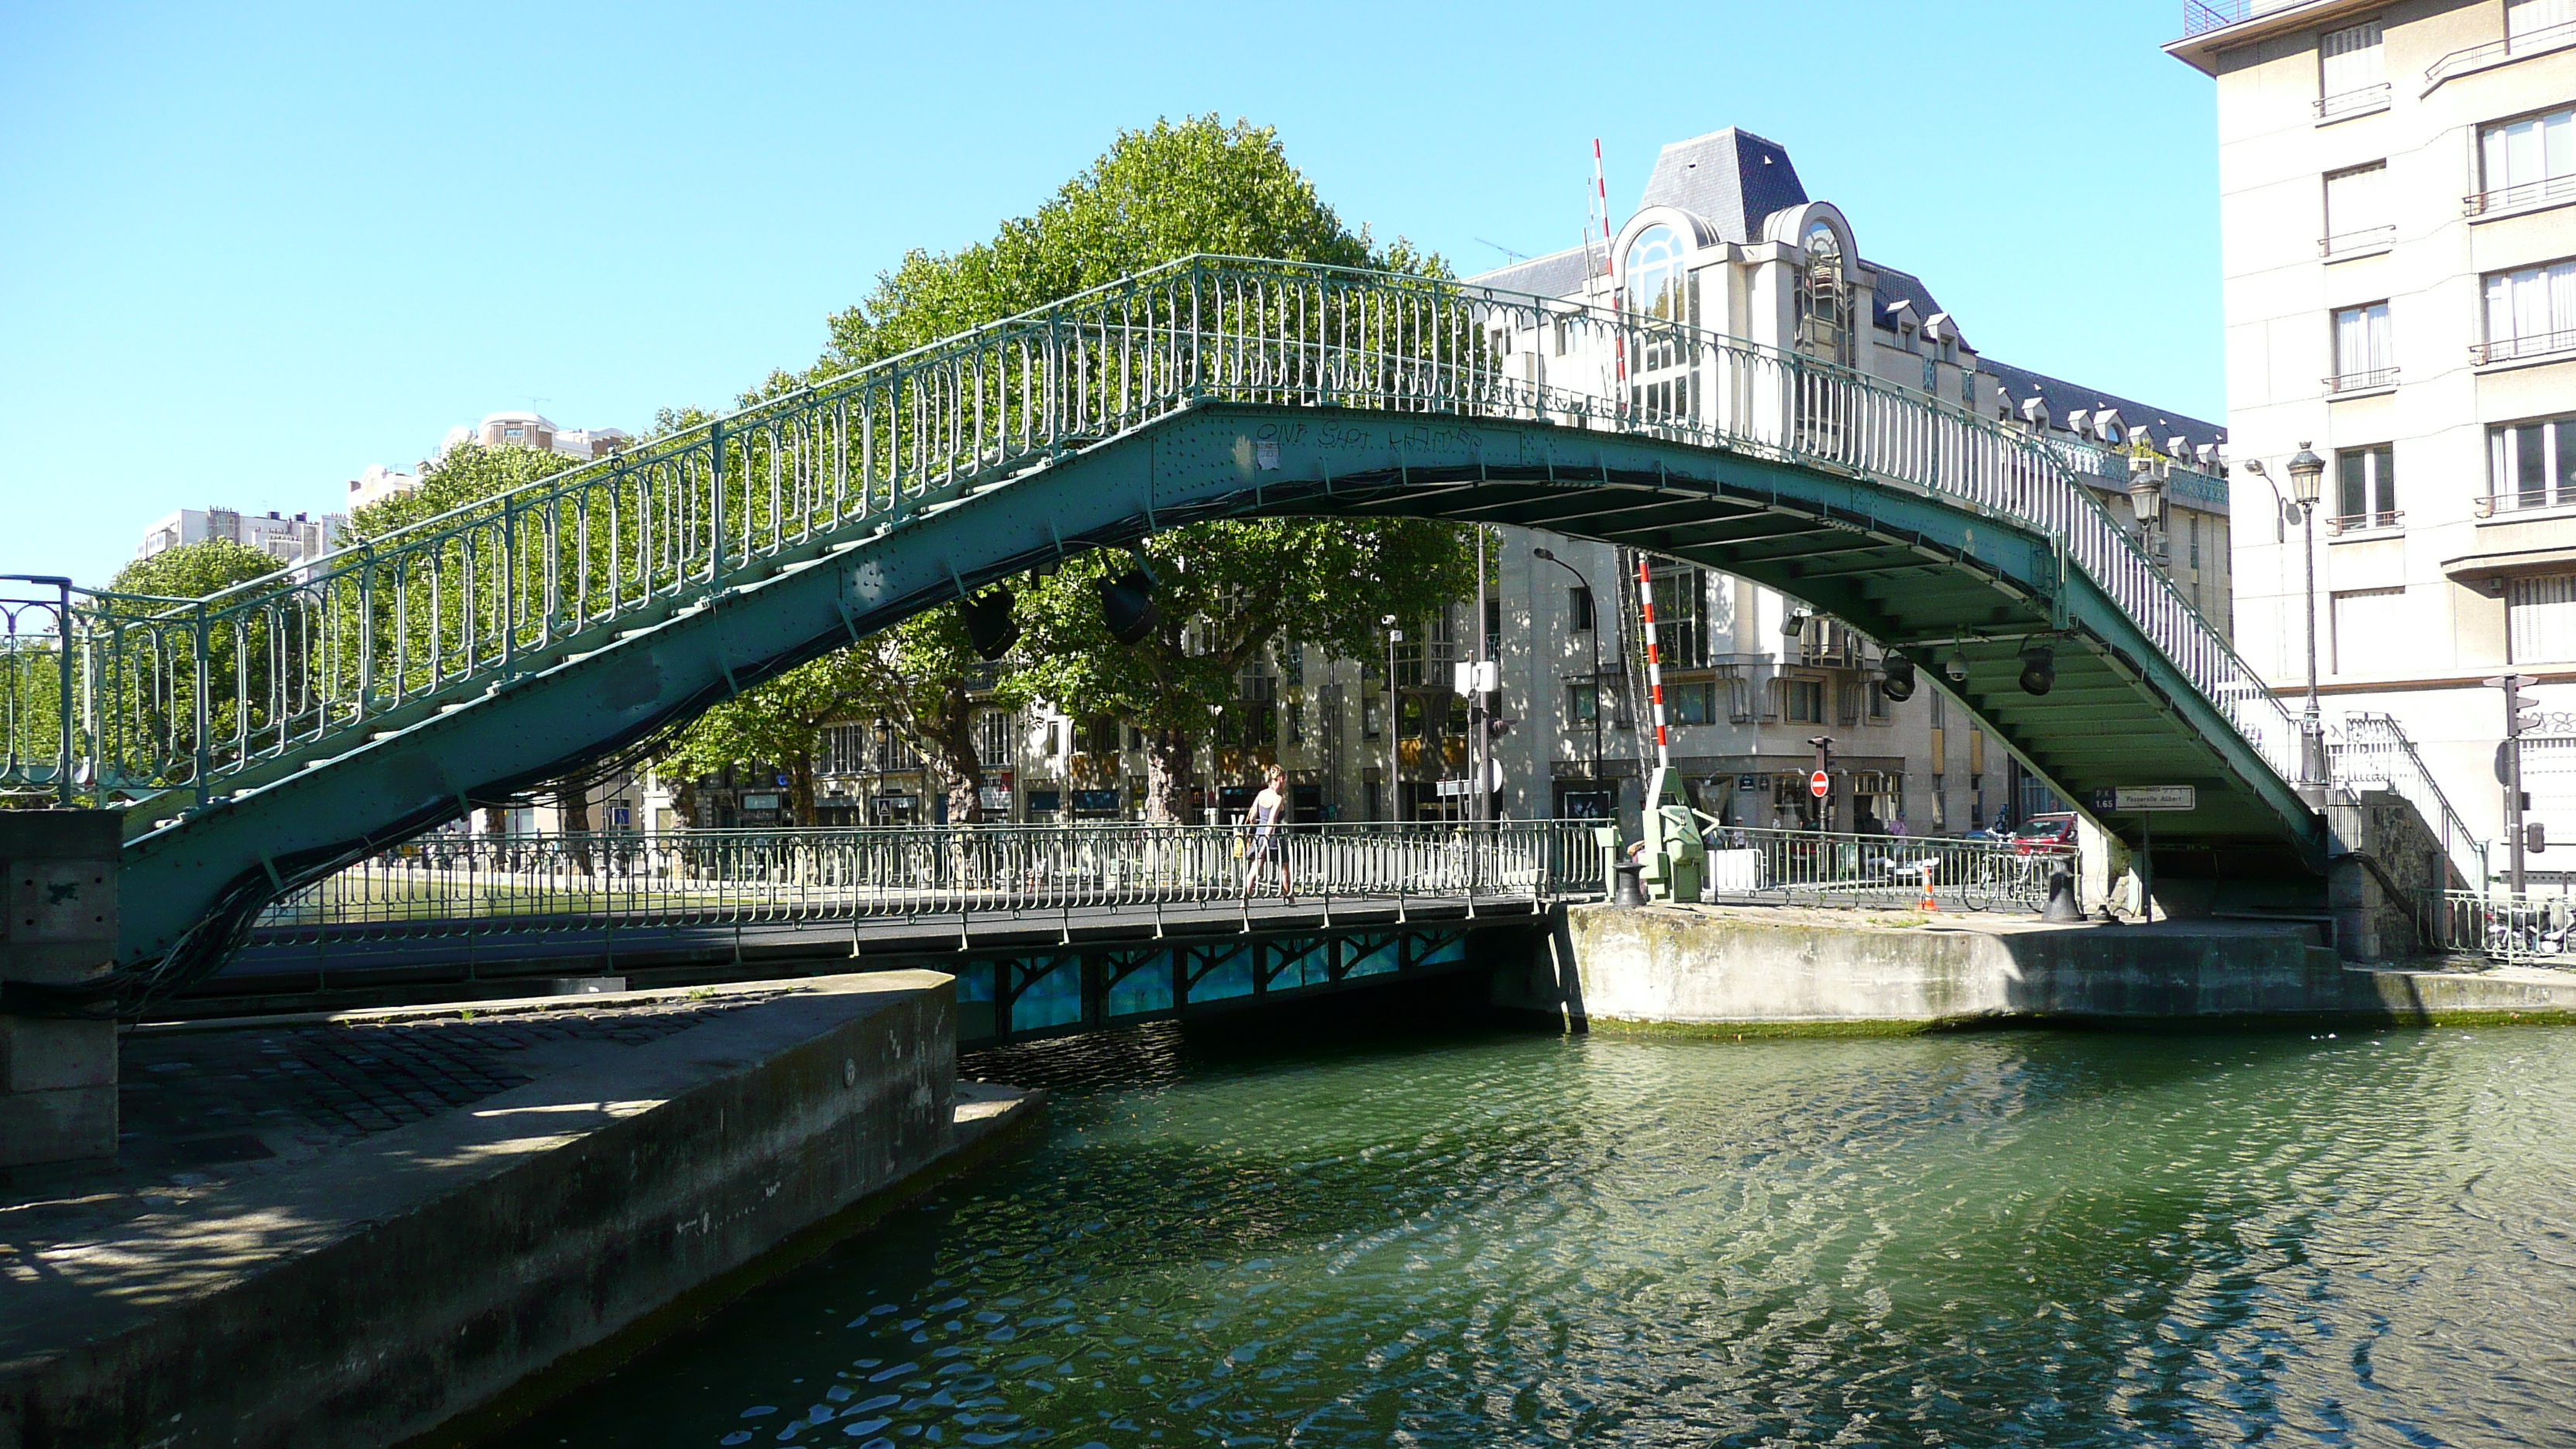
(1928, 903)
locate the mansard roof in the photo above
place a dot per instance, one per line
(1731, 179)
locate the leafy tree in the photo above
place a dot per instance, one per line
(194, 570)
(1230, 588)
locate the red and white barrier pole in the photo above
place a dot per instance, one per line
(1654, 664)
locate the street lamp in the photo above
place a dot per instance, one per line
(2147, 501)
(1394, 756)
(1596, 657)
(2307, 481)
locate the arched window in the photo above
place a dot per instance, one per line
(1655, 277)
(1824, 301)
(1657, 300)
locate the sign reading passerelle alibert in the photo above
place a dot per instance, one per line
(2139, 799)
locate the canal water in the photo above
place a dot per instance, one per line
(1495, 1238)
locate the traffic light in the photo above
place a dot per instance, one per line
(2038, 671)
(1127, 606)
(1896, 678)
(989, 625)
(2535, 837)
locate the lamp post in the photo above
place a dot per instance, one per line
(1394, 757)
(2307, 477)
(2147, 501)
(1595, 631)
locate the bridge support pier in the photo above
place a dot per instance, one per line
(57, 1073)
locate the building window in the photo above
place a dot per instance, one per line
(2529, 313)
(2357, 215)
(2540, 618)
(1493, 628)
(1940, 711)
(1690, 704)
(2191, 528)
(2366, 487)
(2523, 161)
(2350, 74)
(993, 737)
(1877, 702)
(1578, 609)
(1296, 723)
(1681, 626)
(1373, 717)
(1802, 701)
(1583, 701)
(2532, 465)
(1824, 303)
(2363, 355)
(2366, 621)
(1658, 298)
(2534, 24)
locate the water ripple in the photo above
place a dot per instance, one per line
(2040, 1239)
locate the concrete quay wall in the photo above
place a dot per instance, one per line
(383, 1290)
(1700, 968)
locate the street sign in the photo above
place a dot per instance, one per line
(2142, 799)
(1493, 775)
(1820, 784)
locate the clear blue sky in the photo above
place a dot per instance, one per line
(246, 251)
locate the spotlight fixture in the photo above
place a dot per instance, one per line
(990, 628)
(1127, 606)
(1793, 624)
(1896, 678)
(1957, 668)
(2038, 670)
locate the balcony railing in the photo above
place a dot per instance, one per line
(2362, 381)
(2368, 239)
(2202, 16)
(2478, 57)
(2528, 193)
(2356, 522)
(2508, 349)
(2519, 499)
(2352, 103)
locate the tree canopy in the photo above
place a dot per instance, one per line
(194, 570)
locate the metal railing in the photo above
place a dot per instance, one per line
(2532, 931)
(2507, 349)
(2368, 238)
(1808, 867)
(2360, 380)
(2360, 101)
(2371, 751)
(208, 695)
(2529, 42)
(2528, 193)
(2199, 17)
(451, 885)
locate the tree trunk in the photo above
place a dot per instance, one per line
(960, 768)
(1169, 756)
(800, 787)
(574, 804)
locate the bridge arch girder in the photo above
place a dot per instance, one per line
(1920, 572)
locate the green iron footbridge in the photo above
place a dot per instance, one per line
(269, 735)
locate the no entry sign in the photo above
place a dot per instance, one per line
(1820, 785)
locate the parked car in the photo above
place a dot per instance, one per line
(2054, 831)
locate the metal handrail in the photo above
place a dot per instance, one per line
(207, 695)
(2374, 747)
(447, 885)
(1811, 867)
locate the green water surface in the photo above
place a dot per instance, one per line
(1500, 1239)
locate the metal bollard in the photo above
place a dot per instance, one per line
(2061, 896)
(1628, 888)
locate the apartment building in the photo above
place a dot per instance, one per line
(1727, 237)
(2397, 200)
(288, 538)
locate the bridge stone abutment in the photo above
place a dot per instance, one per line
(57, 1074)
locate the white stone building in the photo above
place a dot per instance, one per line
(288, 538)
(2397, 202)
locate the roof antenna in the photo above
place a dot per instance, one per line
(1506, 251)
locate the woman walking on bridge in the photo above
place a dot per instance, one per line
(1269, 810)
